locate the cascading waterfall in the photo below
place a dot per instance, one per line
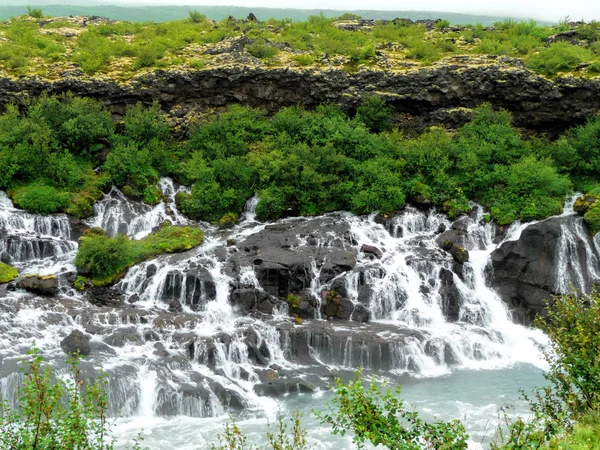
(179, 346)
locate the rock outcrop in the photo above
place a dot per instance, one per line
(527, 272)
(420, 97)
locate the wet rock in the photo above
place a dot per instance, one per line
(450, 295)
(280, 387)
(5, 258)
(228, 398)
(104, 296)
(524, 272)
(197, 285)
(102, 348)
(76, 342)
(39, 284)
(134, 298)
(361, 313)
(267, 375)
(584, 203)
(124, 335)
(175, 306)
(372, 250)
(160, 350)
(246, 300)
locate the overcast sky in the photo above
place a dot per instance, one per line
(553, 10)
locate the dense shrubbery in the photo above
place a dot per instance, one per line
(104, 258)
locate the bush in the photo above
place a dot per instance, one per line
(376, 414)
(196, 17)
(35, 12)
(57, 412)
(375, 114)
(41, 199)
(592, 217)
(558, 57)
(261, 50)
(105, 259)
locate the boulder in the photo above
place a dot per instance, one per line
(527, 272)
(371, 250)
(39, 284)
(450, 295)
(76, 342)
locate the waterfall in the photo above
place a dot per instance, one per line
(179, 345)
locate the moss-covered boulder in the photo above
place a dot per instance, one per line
(584, 203)
(105, 259)
(592, 217)
(39, 284)
(7, 273)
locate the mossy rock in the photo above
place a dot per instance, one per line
(228, 220)
(592, 217)
(584, 203)
(7, 273)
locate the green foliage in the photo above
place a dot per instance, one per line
(284, 435)
(41, 199)
(293, 300)
(81, 283)
(57, 412)
(105, 259)
(7, 273)
(304, 59)
(572, 393)
(196, 17)
(262, 50)
(377, 415)
(558, 57)
(592, 217)
(375, 114)
(36, 13)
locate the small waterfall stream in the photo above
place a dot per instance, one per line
(179, 345)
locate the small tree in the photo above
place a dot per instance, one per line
(36, 13)
(377, 414)
(375, 114)
(56, 414)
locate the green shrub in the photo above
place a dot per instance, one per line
(558, 57)
(35, 12)
(57, 412)
(196, 17)
(304, 59)
(377, 415)
(7, 273)
(41, 199)
(261, 50)
(271, 206)
(592, 217)
(105, 259)
(375, 114)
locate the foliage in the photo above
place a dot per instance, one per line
(375, 114)
(558, 57)
(41, 199)
(35, 12)
(592, 217)
(572, 394)
(196, 17)
(55, 412)
(261, 50)
(7, 273)
(106, 258)
(279, 437)
(378, 415)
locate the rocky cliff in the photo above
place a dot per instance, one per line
(440, 94)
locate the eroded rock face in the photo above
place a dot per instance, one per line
(529, 271)
(420, 96)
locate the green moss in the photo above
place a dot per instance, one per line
(228, 220)
(592, 217)
(293, 301)
(105, 259)
(81, 283)
(7, 273)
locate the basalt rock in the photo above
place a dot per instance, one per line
(76, 342)
(39, 284)
(419, 96)
(525, 272)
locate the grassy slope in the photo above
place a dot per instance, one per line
(166, 13)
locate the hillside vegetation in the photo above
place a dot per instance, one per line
(56, 47)
(296, 161)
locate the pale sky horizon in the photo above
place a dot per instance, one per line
(552, 10)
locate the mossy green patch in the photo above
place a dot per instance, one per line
(105, 259)
(7, 273)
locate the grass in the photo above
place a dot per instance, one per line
(106, 259)
(584, 436)
(30, 46)
(7, 273)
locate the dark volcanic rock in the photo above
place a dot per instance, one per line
(525, 271)
(419, 96)
(450, 295)
(44, 285)
(283, 264)
(76, 342)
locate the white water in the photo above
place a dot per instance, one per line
(455, 369)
